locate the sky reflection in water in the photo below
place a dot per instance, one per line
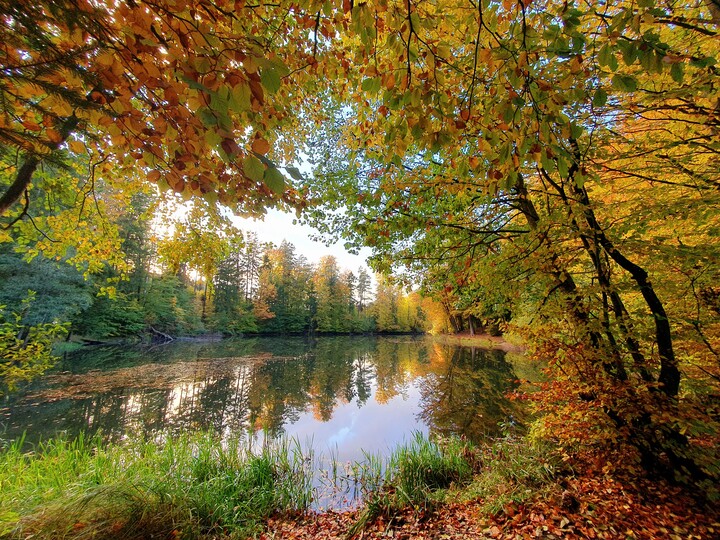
(344, 394)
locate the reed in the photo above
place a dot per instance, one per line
(197, 485)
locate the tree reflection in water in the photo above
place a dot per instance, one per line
(466, 392)
(345, 392)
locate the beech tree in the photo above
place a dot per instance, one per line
(193, 93)
(493, 144)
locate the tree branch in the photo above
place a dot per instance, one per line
(24, 175)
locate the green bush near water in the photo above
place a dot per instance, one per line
(189, 487)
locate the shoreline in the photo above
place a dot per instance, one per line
(485, 341)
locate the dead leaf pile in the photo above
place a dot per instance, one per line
(591, 503)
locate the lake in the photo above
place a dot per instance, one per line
(342, 395)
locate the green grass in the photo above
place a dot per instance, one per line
(195, 486)
(423, 467)
(417, 475)
(513, 469)
(199, 486)
(424, 472)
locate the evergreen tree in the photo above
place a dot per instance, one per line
(363, 289)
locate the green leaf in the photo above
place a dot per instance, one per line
(372, 85)
(505, 152)
(270, 79)
(677, 71)
(629, 52)
(211, 197)
(274, 180)
(192, 83)
(600, 98)
(551, 32)
(207, 117)
(253, 168)
(295, 173)
(703, 62)
(562, 166)
(647, 59)
(613, 63)
(625, 83)
(240, 98)
(547, 163)
(149, 159)
(212, 138)
(219, 102)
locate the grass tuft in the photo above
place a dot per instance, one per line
(514, 468)
(193, 486)
(417, 475)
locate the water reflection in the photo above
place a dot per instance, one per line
(346, 394)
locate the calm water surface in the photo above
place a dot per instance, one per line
(344, 395)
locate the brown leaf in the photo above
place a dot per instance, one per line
(260, 145)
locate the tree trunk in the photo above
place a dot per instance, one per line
(669, 376)
(662, 448)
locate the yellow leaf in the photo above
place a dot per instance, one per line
(77, 147)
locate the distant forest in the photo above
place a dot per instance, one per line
(201, 275)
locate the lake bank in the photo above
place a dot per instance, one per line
(504, 343)
(583, 500)
(196, 487)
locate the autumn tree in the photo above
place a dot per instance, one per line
(193, 94)
(509, 143)
(201, 238)
(490, 147)
(282, 291)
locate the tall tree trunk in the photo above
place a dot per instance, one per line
(662, 448)
(669, 376)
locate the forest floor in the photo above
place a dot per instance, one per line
(590, 502)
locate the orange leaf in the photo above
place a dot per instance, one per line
(54, 136)
(260, 145)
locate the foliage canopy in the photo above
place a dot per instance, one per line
(553, 161)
